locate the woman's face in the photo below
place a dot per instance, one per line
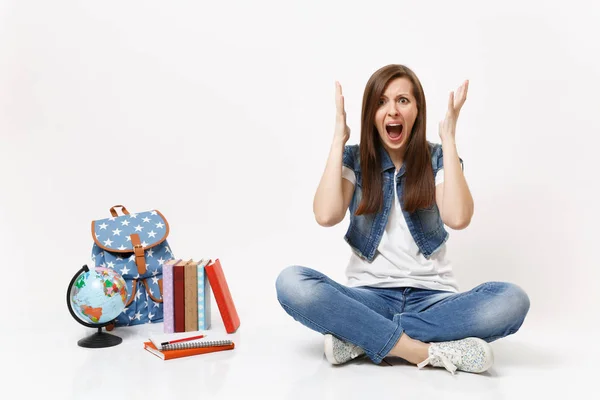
(396, 115)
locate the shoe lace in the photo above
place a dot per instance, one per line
(355, 351)
(447, 357)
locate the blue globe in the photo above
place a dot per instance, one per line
(97, 296)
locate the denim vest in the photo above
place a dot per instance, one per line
(365, 231)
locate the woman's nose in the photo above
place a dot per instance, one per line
(393, 110)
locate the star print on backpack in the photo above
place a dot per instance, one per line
(135, 246)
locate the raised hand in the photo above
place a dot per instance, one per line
(342, 132)
(448, 125)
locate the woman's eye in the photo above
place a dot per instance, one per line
(403, 100)
(381, 102)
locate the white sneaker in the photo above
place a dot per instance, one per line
(469, 355)
(339, 352)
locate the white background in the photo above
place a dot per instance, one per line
(221, 114)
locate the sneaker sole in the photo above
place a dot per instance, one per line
(489, 355)
(328, 349)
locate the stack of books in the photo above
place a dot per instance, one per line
(186, 296)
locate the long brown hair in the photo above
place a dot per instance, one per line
(420, 188)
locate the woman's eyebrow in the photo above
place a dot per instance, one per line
(399, 94)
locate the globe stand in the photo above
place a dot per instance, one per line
(100, 339)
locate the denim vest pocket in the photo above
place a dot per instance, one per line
(430, 233)
(429, 220)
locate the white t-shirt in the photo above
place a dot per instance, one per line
(398, 261)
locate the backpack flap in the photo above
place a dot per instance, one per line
(131, 233)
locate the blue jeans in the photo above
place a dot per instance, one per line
(375, 318)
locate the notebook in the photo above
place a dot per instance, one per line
(196, 344)
(220, 289)
(186, 349)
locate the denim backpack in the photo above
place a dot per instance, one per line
(135, 246)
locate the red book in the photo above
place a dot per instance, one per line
(216, 278)
(179, 296)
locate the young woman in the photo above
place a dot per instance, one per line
(401, 298)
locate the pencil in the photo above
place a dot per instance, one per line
(182, 340)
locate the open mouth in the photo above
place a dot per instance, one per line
(394, 131)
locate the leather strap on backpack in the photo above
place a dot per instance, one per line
(114, 213)
(155, 299)
(138, 251)
(133, 290)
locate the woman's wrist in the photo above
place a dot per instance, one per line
(448, 140)
(338, 144)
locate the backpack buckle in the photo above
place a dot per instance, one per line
(138, 250)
